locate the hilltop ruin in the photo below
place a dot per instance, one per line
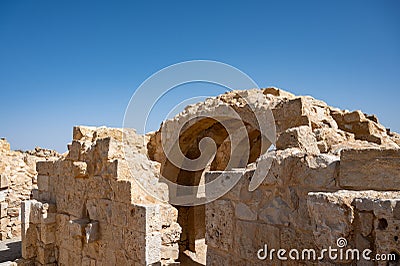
(333, 174)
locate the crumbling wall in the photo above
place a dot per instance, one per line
(17, 179)
(365, 219)
(319, 150)
(313, 143)
(328, 170)
(89, 210)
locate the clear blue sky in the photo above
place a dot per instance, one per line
(64, 63)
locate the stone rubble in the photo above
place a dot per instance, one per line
(18, 177)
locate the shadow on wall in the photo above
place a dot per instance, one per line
(10, 250)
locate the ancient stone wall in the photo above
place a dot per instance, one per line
(89, 210)
(332, 174)
(17, 179)
(318, 149)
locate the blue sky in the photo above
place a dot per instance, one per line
(64, 63)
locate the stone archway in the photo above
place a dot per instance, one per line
(192, 218)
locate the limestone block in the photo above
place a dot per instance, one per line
(111, 235)
(356, 123)
(87, 261)
(107, 132)
(331, 216)
(104, 210)
(13, 212)
(3, 181)
(63, 231)
(144, 218)
(169, 214)
(275, 212)
(92, 209)
(45, 168)
(3, 209)
(370, 169)
(171, 234)
(215, 258)
(386, 238)
(115, 169)
(80, 170)
(45, 254)
(278, 92)
(98, 187)
(135, 245)
(220, 224)
(122, 258)
(244, 212)
(43, 182)
(35, 215)
(63, 168)
(366, 220)
(250, 237)
(76, 150)
(290, 113)
(83, 133)
(47, 213)
(109, 148)
(153, 248)
(221, 180)
(4, 145)
(170, 251)
(47, 233)
(293, 237)
(355, 116)
(71, 202)
(119, 214)
(299, 137)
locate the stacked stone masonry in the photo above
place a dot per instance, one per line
(334, 174)
(17, 179)
(88, 209)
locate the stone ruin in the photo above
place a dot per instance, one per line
(17, 179)
(334, 174)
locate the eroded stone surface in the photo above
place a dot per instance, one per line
(18, 177)
(302, 201)
(89, 209)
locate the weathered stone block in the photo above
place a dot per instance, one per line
(244, 212)
(47, 233)
(45, 168)
(119, 214)
(3, 181)
(3, 209)
(299, 137)
(83, 133)
(135, 245)
(45, 254)
(331, 216)
(220, 224)
(80, 169)
(43, 182)
(370, 169)
(144, 218)
(250, 237)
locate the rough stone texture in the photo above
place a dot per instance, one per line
(367, 219)
(89, 210)
(318, 148)
(18, 177)
(370, 169)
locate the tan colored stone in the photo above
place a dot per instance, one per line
(370, 169)
(299, 137)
